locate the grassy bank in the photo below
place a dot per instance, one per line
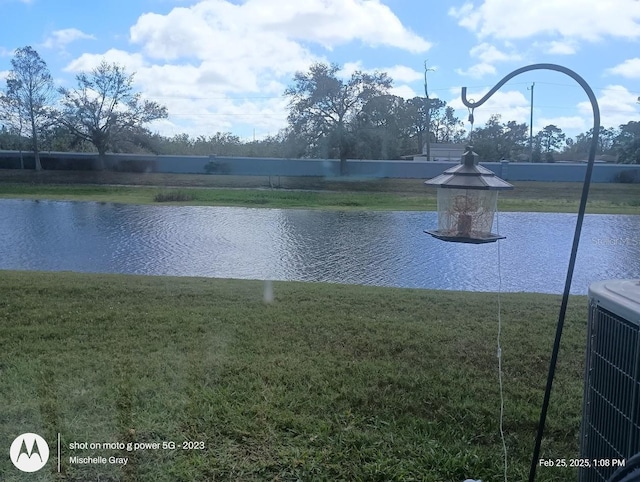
(328, 382)
(379, 194)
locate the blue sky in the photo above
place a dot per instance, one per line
(221, 65)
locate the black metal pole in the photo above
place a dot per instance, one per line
(576, 237)
(531, 125)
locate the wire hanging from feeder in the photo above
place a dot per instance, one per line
(499, 355)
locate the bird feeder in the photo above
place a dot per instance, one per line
(467, 202)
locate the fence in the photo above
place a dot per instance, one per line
(252, 166)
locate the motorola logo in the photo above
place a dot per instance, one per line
(29, 452)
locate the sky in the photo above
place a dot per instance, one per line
(223, 65)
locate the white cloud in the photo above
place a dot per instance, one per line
(478, 71)
(570, 19)
(404, 91)
(205, 116)
(630, 69)
(566, 47)
(200, 100)
(4, 74)
(219, 65)
(399, 73)
(61, 38)
(468, 17)
(220, 28)
(566, 123)
(617, 106)
(489, 54)
(335, 22)
(349, 68)
(557, 47)
(86, 62)
(402, 73)
(224, 41)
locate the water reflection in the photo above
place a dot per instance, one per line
(374, 248)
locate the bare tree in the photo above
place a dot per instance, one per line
(26, 101)
(104, 109)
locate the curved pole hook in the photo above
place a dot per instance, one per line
(558, 68)
(576, 238)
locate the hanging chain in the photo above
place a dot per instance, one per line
(471, 122)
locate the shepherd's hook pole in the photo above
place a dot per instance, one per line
(576, 237)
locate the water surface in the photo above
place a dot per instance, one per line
(369, 248)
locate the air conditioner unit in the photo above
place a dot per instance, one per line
(611, 404)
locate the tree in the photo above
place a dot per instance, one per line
(415, 120)
(536, 154)
(606, 139)
(497, 141)
(627, 143)
(104, 109)
(412, 122)
(551, 138)
(445, 126)
(486, 140)
(379, 129)
(220, 144)
(26, 102)
(516, 138)
(582, 143)
(323, 108)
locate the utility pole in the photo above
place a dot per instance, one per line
(426, 94)
(531, 124)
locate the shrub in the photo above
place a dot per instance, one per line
(61, 163)
(11, 162)
(217, 167)
(629, 176)
(172, 196)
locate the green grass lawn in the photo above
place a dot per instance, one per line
(307, 193)
(328, 382)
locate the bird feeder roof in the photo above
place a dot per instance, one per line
(469, 175)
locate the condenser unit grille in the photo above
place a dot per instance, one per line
(611, 413)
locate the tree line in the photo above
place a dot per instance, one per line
(102, 111)
(356, 118)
